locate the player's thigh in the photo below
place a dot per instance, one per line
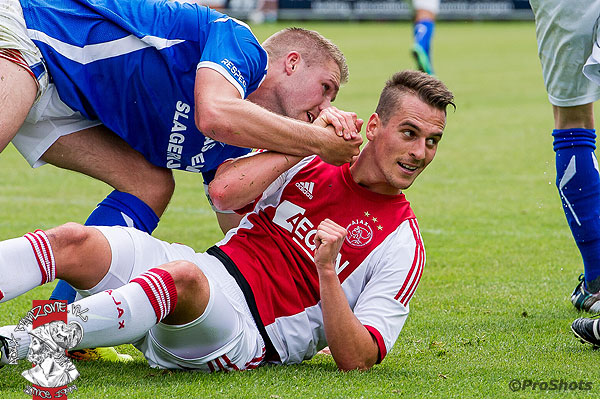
(565, 34)
(134, 252)
(224, 337)
(100, 153)
(17, 94)
(18, 86)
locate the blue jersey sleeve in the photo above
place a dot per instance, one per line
(232, 50)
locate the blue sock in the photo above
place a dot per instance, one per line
(124, 209)
(117, 209)
(423, 31)
(578, 183)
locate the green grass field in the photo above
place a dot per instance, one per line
(493, 301)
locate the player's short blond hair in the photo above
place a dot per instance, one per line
(312, 46)
(428, 89)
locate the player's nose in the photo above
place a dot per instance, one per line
(417, 150)
(325, 104)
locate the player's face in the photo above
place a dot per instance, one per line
(407, 143)
(309, 90)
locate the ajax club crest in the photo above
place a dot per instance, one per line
(359, 233)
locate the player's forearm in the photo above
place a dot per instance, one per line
(228, 220)
(351, 344)
(245, 124)
(239, 182)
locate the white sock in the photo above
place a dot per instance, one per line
(25, 263)
(17, 339)
(126, 314)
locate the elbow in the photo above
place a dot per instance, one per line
(355, 360)
(218, 196)
(209, 121)
(353, 366)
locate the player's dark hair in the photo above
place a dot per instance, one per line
(311, 45)
(428, 89)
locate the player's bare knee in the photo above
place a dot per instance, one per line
(68, 241)
(157, 190)
(187, 276)
(68, 234)
(193, 291)
(82, 254)
(163, 184)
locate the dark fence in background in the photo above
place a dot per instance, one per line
(387, 9)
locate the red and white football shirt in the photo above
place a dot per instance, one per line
(379, 265)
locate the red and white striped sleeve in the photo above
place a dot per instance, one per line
(396, 267)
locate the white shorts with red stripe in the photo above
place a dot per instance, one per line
(49, 118)
(20, 49)
(223, 338)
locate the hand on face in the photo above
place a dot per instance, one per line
(346, 124)
(341, 144)
(336, 150)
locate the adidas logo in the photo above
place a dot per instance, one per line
(306, 188)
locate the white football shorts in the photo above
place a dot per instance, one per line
(49, 118)
(565, 33)
(224, 337)
(591, 68)
(432, 6)
(13, 35)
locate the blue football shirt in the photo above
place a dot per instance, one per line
(132, 65)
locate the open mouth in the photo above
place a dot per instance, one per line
(311, 117)
(408, 167)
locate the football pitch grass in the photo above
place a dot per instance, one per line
(493, 304)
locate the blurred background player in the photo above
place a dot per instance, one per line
(425, 13)
(566, 32)
(264, 11)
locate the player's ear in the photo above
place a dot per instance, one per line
(292, 62)
(372, 126)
